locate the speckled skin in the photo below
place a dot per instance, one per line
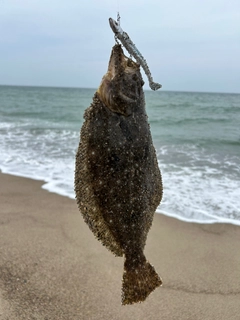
(117, 180)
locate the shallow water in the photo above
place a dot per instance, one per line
(196, 135)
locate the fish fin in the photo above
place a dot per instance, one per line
(87, 205)
(138, 283)
(103, 234)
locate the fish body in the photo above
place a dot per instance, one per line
(118, 183)
(132, 49)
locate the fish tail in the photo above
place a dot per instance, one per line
(139, 282)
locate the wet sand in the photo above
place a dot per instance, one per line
(52, 267)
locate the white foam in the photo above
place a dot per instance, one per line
(208, 221)
(197, 188)
(46, 155)
(200, 192)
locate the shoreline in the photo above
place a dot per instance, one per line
(52, 267)
(161, 212)
(222, 220)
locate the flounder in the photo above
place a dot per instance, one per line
(118, 183)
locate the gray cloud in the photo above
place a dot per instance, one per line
(189, 45)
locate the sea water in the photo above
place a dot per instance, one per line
(196, 136)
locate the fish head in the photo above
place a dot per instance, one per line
(115, 26)
(121, 87)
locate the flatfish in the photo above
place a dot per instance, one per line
(118, 183)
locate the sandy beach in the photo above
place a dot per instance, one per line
(52, 267)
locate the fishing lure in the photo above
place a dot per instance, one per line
(133, 51)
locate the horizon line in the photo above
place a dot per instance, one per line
(92, 88)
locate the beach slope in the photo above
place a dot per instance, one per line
(52, 267)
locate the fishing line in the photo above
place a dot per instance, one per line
(118, 18)
(118, 14)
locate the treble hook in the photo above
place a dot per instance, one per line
(116, 40)
(118, 18)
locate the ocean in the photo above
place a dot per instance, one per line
(196, 136)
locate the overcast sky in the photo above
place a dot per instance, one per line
(189, 45)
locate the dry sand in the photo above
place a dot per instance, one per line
(52, 267)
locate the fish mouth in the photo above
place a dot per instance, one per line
(114, 25)
(121, 87)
